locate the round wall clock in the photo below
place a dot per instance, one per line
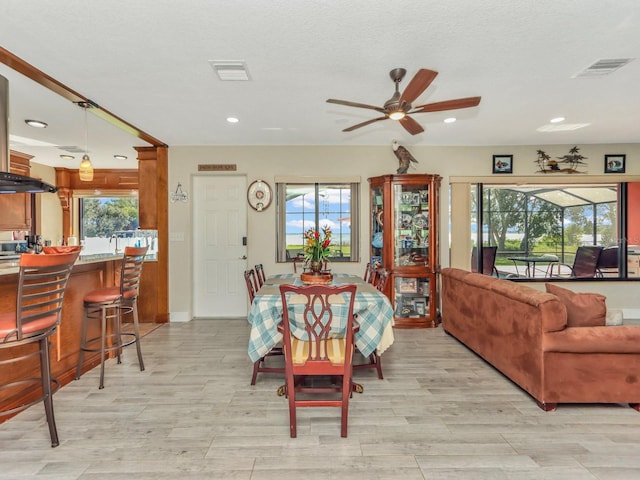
(259, 195)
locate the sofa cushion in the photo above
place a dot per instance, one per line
(583, 309)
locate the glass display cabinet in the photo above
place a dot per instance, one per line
(404, 240)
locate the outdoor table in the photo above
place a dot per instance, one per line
(532, 260)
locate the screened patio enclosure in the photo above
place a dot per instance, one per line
(545, 220)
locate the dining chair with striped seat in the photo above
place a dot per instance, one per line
(318, 335)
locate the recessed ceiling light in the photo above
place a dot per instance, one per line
(232, 120)
(120, 157)
(565, 127)
(557, 120)
(67, 157)
(36, 123)
(450, 120)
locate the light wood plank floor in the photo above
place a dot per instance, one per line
(440, 413)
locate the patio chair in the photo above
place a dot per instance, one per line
(585, 263)
(608, 261)
(488, 260)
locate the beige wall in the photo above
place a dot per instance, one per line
(50, 208)
(267, 162)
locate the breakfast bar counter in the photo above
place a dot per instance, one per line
(89, 273)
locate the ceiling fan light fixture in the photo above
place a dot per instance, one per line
(397, 115)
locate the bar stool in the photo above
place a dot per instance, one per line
(42, 280)
(108, 305)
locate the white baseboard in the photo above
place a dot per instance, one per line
(179, 317)
(631, 313)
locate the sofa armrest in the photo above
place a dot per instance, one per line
(601, 339)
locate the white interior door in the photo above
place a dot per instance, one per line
(219, 227)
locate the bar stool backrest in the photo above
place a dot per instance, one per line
(42, 280)
(131, 272)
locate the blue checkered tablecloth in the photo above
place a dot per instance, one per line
(373, 310)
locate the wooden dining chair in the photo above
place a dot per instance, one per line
(367, 272)
(260, 275)
(373, 360)
(373, 275)
(318, 328)
(382, 278)
(250, 281)
(259, 365)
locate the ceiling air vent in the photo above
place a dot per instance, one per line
(71, 148)
(603, 67)
(230, 71)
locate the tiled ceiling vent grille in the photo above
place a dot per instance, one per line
(603, 67)
(230, 71)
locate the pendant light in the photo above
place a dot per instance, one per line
(86, 168)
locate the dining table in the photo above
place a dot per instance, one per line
(372, 310)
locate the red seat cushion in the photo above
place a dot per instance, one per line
(8, 325)
(103, 295)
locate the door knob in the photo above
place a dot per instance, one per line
(243, 257)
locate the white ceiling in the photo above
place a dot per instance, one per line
(147, 61)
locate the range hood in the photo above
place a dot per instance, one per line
(11, 182)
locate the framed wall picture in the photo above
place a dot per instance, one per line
(614, 163)
(503, 164)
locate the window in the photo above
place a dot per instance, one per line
(314, 205)
(110, 223)
(553, 221)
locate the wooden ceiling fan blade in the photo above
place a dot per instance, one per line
(353, 127)
(448, 105)
(355, 104)
(418, 84)
(410, 125)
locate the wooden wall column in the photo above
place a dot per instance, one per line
(153, 196)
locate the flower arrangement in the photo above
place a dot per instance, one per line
(316, 248)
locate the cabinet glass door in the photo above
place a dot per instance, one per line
(411, 297)
(411, 224)
(376, 226)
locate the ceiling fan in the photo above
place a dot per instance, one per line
(399, 107)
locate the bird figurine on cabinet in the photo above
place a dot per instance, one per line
(404, 157)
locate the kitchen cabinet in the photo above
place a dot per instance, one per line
(15, 208)
(404, 240)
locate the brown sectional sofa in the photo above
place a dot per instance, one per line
(523, 332)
